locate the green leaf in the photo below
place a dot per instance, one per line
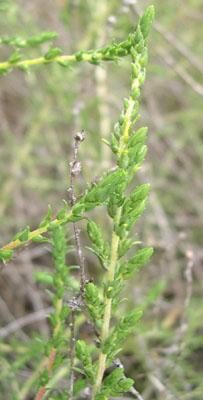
(79, 385)
(53, 319)
(112, 289)
(95, 234)
(64, 63)
(126, 384)
(92, 294)
(101, 397)
(40, 239)
(16, 236)
(129, 321)
(61, 214)
(75, 218)
(106, 142)
(4, 70)
(135, 72)
(77, 209)
(41, 38)
(52, 53)
(53, 227)
(100, 258)
(125, 245)
(19, 42)
(139, 194)
(24, 235)
(23, 67)
(127, 269)
(113, 378)
(43, 277)
(64, 312)
(95, 60)
(6, 255)
(79, 56)
(138, 137)
(141, 256)
(15, 57)
(144, 58)
(112, 180)
(82, 351)
(79, 370)
(47, 219)
(146, 21)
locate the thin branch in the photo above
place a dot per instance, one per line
(39, 231)
(135, 393)
(92, 56)
(132, 390)
(75, 168)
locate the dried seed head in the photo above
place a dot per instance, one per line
(80, 136)
(75, 167)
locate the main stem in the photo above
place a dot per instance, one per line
(114, 250)
(107, 313)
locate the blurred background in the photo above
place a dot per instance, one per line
(40, 112)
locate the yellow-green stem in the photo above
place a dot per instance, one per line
(114, 249)
(43, 60)
(37, 232)
(107, 313)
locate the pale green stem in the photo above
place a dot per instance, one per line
(107, 313)
(43, 60)
(36, 232)
(114, 248)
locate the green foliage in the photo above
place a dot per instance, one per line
(58, 281)
(111, 52)
(124, 326)
(128, 268)
(82, 352)
(41, 111)
(47, 219)
(94, 304)
(99, 302)
(114, 385)
(32, 41)
(6, 255)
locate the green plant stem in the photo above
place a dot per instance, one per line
(36, 232)
(114, 248)
(36, 61)
(108, 303)
(63, 58)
